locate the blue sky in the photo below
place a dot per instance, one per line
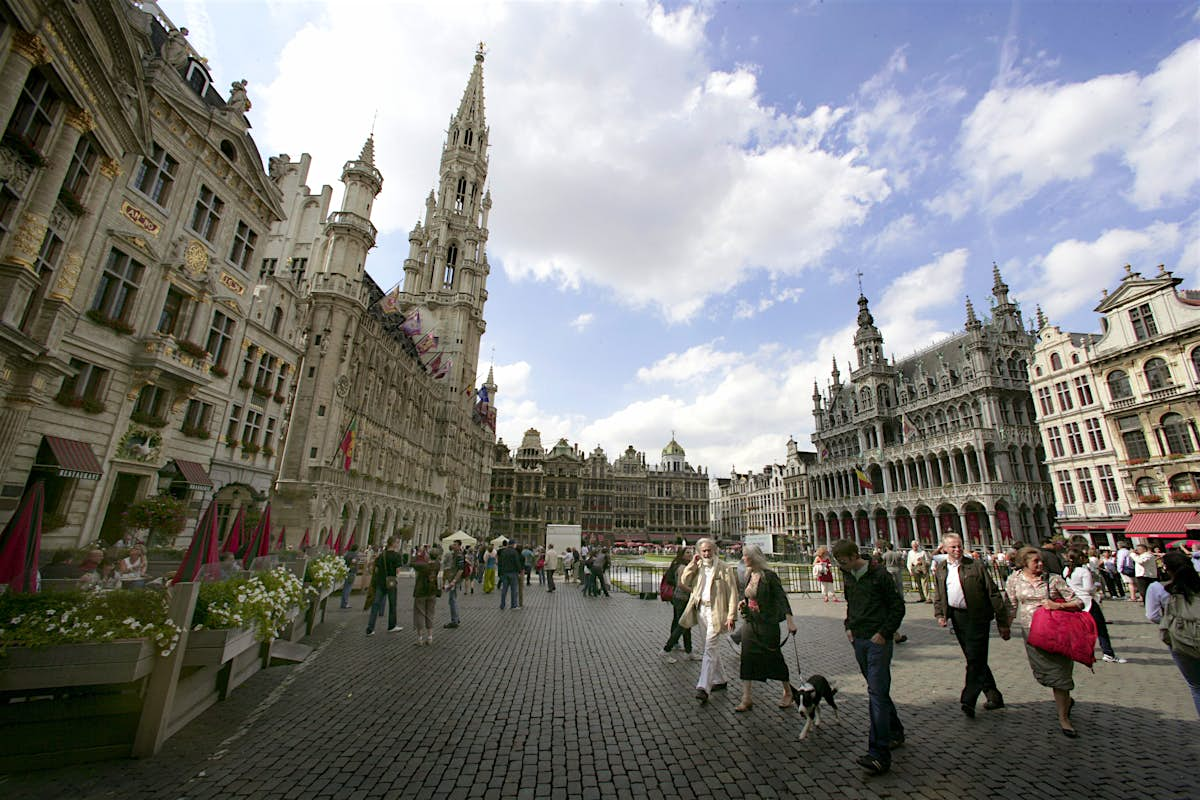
(684, 192)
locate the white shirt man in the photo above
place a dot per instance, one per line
(917, 564)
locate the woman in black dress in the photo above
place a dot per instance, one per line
(764, 605)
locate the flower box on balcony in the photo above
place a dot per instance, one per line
(149, 420)
(1185, 497)
(1149, 498)
(244, 383)
(1174, 456)
(219, 371)
(118, 325)
(25, 149)
(249, 448)
(268, 451)
(261, 391)
(192, 349)
(231, 442)
(278, 398)
(1133, 462)
(195, 433)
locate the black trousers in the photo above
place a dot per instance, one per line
(973, 639)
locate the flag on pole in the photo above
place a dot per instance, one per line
(910, 430)
(426, 343)
(483, 395)
(390, 303)
(443, 370)
(347, 445)
(863, 480)
(412, 324)
(824, 453)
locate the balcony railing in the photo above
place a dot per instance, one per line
(1113, 509)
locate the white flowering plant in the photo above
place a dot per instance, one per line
(44, 620)
(260, 600)
(325, 572)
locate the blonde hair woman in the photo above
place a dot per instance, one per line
(823, 573)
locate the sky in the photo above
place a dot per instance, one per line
(687, 195)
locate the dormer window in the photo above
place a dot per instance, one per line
(197, 77)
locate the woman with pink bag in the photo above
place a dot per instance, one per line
(1028, 589)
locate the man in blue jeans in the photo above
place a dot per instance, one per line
(874, 610)
(386, 566)
(452, 568)
(509, 564)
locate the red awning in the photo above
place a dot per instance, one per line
(74, 459)
(1159, 523)
(1095, 526)
(193, 473)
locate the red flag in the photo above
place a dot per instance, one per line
(203, 548)
(305, 543)
(20, 542)
(260, 542)
(347, 445)
(282, 543)
(233, 542)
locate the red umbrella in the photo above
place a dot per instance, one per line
(20, 542)
(203, 549)
(304, 543)
(233, 542)
(338, 546)
(282, 543)
(329, 539)
(353, 536)
(260, 542)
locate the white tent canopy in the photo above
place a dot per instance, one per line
(500, 541)
(460, 536)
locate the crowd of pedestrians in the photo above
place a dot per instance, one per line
(969, 593)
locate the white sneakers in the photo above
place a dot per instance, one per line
(696, 657)
(396, 629)
(1114, 659)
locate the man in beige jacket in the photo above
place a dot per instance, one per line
(714, 596)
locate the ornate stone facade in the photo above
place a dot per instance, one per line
(421, 460)
(132, 217)
(1118, 412)
(943, 440)
(626, 500)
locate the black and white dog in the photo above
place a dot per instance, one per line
(808, 696)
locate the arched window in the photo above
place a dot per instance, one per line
(460, 194)
(1183, 482)
(1074, 358)
(1175, 430)
(451, 264)
(1147, 487)
(1158, 376)
(1196, 362)
(276, 320)
(1118, 385)
(467, 137)
(1055, 361)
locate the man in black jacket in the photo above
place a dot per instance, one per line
(965, 594)
(874, 610)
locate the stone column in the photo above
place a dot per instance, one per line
(886, 471)
(28, 51)
(31, 230)
(995, 528)
(891, 518)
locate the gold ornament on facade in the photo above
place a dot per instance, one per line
(31, 47)
(110, 168)
(195, 257)
(27, 241)
(80, 119)
(68, 277)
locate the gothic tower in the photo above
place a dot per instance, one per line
(336, 304)
(445, 274)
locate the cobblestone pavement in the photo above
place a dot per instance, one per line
(569, 698)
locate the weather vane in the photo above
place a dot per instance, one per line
(859, 274)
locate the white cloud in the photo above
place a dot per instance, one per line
(1071, 275)
(512, 380)
(679, 168)
(1020, 139)
(748, 403)
(748, 310)
(582, 322)
(695, 362)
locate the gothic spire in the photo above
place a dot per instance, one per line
(470, 110)
(999, 287)
(367, 156)
(972, 320)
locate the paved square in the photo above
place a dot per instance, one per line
(568, 698)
